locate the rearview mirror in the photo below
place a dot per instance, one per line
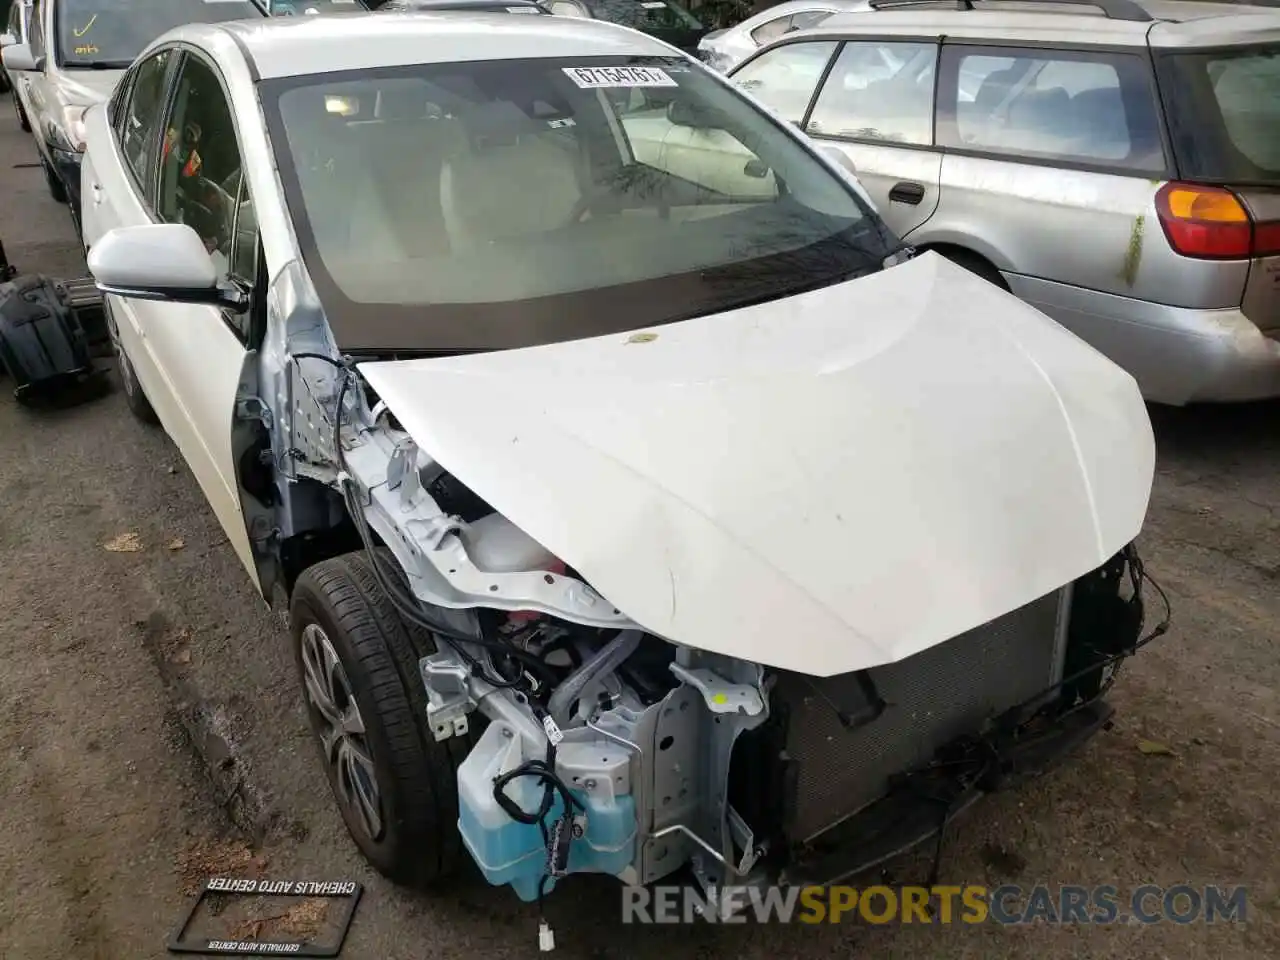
(683, 113)
(18, 57)
(161, 261)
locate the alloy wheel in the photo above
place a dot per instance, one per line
(336, 719)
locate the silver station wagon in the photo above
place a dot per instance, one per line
(1116, 164)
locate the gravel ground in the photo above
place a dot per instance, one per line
(110, 808)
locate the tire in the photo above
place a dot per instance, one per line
(23, 121)
(980, 266)
(56, 188)
(134, 396)
(349, 642)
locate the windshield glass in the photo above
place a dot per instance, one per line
(1224, 113)
(645, 15)
(111, 33)
(507, 203)
(290, 8)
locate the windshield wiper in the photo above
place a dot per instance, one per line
(98, 65)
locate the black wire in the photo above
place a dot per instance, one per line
(411, 609)
(407, 605)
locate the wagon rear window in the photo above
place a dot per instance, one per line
(1224, 113)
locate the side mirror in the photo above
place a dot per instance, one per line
(840, 157)
(18, 58)
(161, 261)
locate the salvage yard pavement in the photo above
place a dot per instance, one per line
(154, 735)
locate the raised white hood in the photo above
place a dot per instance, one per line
(822, 483)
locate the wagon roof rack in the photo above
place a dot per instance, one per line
(1111, 9)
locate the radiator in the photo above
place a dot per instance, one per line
(933, 697)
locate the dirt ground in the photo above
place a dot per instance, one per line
(148, 702)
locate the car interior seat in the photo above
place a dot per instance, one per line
(1039, 121)
(1102, 124)
(396, 200)
(980, 120)
(517, 178)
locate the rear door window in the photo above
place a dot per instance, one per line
(1091, 108)
(1224, 112)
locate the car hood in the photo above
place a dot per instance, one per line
(87, 87)
(822, 483)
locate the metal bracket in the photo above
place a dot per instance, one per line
(720, 695)
(449, 697)
(743, 837)
(252, 408)
(402, 471)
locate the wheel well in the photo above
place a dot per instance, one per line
(971, 261)
(306, 549)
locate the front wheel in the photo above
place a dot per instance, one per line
(396, 786)
(23, 122)
(134, 397)
(57, 189)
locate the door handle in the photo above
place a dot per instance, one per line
(95, 193)
(906, 192)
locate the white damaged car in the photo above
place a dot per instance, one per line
(632, 512)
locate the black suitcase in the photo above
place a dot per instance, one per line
(43, 344)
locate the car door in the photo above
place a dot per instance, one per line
(35, 83)
(876, 105)
(193, 355)
(118, 176)
(785, 77)
(1053, 158)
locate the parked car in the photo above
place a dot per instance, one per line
(15, 31)
(704, 516)
(1032, 147)
(75, 52)
(726, 48)
(464, 6)
(664, 19)
(291, 8)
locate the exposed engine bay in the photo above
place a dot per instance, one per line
(595, 746)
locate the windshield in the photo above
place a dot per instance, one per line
(1224, 113)
(645, 15)
(496, 204)
(111, 33)
(290, 8)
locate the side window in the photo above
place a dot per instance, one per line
(117, 101)
(1094, 108)
(768, 32)
(35, 29)
(139, 129)
(200, 172)
(785, 77)
(879, 91)
(809, 18)
(567, 8)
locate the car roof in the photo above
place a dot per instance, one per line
(1173, 23)
(301, 46)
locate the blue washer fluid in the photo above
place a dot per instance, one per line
(509, 852)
